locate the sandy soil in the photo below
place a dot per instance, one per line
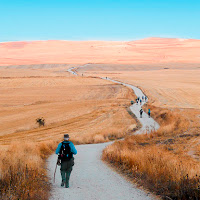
(150, 50)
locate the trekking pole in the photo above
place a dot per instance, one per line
(55, 172)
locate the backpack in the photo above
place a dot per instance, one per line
(65, 151)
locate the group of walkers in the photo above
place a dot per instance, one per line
(141, 112)
(140, 100)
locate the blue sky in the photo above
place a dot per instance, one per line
(98, 20)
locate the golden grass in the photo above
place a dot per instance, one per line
(23, 174)
(89, 110)
(158, 169)
(171, 122)
(170, 88)
(56, 99)
(165, 161)
(118, 126)
(67, 104)
(197, 150)
(160, 160)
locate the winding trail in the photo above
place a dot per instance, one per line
(70, 70)
(91, 178)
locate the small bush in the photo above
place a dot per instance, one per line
(40, 121)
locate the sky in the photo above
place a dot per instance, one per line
(115, 20)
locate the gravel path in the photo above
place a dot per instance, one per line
(71, 71)
(92, 179)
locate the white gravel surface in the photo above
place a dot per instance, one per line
(71, 71)
(148, 124)
(92, 179)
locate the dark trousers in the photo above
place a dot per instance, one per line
(65, 170)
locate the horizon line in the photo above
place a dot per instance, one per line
(101, 40)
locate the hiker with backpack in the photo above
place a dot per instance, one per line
(141, 111)
(65, 151)
(149, 113)
(142, 98)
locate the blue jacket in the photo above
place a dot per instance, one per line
(73, 149)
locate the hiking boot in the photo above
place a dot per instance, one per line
(66, 185)
(62, 184)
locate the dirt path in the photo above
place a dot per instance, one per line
(148, 124)
(93, 179)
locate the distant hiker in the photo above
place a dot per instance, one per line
(145, 98)
(65, 151)
(142, 98)
(140, 101)
(149, 113)
(141, 111)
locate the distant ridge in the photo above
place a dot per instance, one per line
(148, 50)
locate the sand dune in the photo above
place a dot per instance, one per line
(150, 50)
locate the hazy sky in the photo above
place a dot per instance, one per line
(98, 20)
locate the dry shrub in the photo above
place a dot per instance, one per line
(117, 125)
(23, 174)
(158, 169)
(98, 138)
(46, 148)
(197, 150)
(104, 136)
(171, 122)
(158, 160)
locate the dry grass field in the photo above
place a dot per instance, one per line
(166, 161)
(60, 100)
(169, 88)
(91, 110)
